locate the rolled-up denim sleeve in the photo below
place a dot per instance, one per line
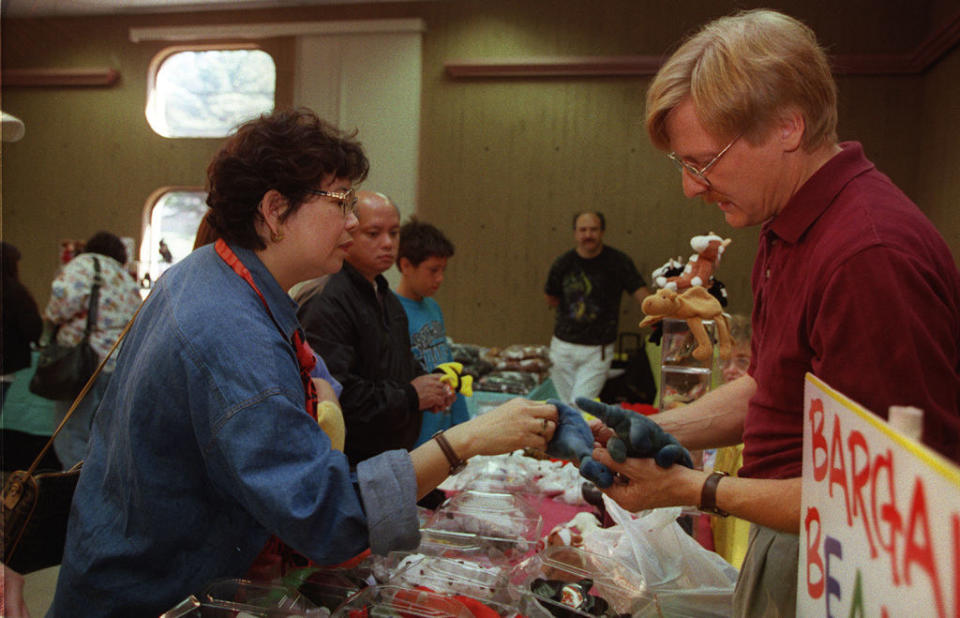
(388, 488)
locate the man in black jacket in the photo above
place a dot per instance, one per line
(360, 329)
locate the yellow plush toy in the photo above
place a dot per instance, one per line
(454, 378)
(330, 418)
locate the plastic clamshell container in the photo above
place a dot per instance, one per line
(506, 521)
(329, 588)
(450, 576)
(232, 597)
(497, 475)
(386, 600)
(622, 587)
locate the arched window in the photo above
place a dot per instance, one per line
(208, 91)
(170, 222)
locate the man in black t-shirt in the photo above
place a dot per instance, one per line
(584, 285)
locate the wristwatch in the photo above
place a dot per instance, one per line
(456, 464)
(708, 495)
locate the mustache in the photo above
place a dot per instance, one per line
(712, 197)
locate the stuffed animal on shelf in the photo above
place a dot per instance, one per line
(700, 266)
(694, 305)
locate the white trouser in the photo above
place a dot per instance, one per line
(579, 370)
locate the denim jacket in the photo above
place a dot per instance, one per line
(202, 449)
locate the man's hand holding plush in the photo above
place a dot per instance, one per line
(573, 441)
(636, 435)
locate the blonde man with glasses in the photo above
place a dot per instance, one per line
(848, 271)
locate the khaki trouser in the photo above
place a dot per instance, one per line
(767, 585)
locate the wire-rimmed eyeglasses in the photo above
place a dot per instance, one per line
(701, 174)
(346, 200)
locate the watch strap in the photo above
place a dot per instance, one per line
(456, 464)
(708, 495)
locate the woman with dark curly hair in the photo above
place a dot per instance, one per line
(103, 258)
(215, 445)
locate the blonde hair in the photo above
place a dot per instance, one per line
(740, 328)
(741, 72)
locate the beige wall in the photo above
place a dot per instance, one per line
(504, 162)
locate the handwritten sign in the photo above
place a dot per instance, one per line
(880, 518)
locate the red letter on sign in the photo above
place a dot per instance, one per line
(814, 588)
(956, 564)
(838, 466)
(921, 553)
(888, 512)
(861, 478)
(819, 445)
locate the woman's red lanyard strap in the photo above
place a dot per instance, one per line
(276, 558)
(305, 357)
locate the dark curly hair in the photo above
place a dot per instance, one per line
(290, 151)
(420, 241)
(106, 244)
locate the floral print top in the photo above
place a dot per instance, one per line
(70, 300)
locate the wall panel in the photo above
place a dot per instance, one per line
(503, 163)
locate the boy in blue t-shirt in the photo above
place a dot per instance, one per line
(422, 260)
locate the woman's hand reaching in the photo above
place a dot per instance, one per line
(516, 424)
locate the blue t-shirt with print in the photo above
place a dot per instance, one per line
(428, 340)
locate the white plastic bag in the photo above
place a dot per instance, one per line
(687, 579)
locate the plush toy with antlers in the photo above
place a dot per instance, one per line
(694, 305)
(700, 266)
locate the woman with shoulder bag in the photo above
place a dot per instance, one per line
(68, 309)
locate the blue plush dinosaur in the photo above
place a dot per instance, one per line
(636, 435)
(573, 441)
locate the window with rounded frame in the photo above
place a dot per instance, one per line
(207, 91)
(170, 221)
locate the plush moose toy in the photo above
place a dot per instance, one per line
(694, 305)
(700, 266)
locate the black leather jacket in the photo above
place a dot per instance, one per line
(363, 338)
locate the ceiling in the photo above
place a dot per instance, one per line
(65, 8)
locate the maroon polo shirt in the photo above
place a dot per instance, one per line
(854, 284)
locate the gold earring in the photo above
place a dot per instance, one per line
(276, 236)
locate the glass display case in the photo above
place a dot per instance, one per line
(683, 377)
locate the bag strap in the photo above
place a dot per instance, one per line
(84, 390)
(94, 301)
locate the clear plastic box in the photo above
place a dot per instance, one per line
(330, 587)
(481, 580)
(504, 522)
(498, 474)
(385, 600)
(228, 598)
(683, 378)
(678, 344)
(622, 589)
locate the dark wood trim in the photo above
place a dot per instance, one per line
(569, 66)
(935, 46)
(915, 62)
(59, 78)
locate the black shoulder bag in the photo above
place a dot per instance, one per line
(36, 505)
(63, 370)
